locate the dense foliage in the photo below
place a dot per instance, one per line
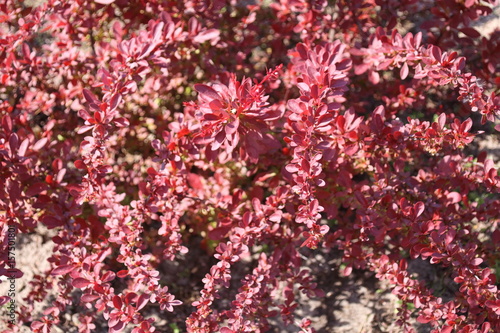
(260, 132)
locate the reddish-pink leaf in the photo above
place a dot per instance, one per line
(193, 26)
(210, 34)
(85, 128)
(216, 105)
(226, 330)
(63, 269)
(80, 283)
(436, 52)
(404, 71)
(446, 329)
(276, 217)
(442, 120)
(116, 99)
(87, 298)
(82, 113)
(108, 276)
(469, 3)
(23, 147)
(232, 127)
(39, 144)
(476, 261)
(351, 149)
(26, 51)
(7, 123)
(121, 122)
(454, 197)
(142, 301)
(60, 175)
(347, 270)
(157, 31)
(423, 319)
(296, 106)
(90, 97)
(488, 165)
(466, 125)
(206, 92)
(130, 297)
(419, 208)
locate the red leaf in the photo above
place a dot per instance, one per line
(302, 50)
(108, 276)
(98, 288)
(210, 34)
(80, 283)
(51, 222)
(419, 208)
(211, 116)
(87, 298)
(90, 97)
(13, 142)
(116, 99)
(466, 125)
(82, 113)
(80, 165)
(85, 128)
(216, 105)
(207, 93)
(121, 122)
(117, 302)
(123, 273)
(351, 149)
(142, 301)
(13, 272)
(423, 320)
(35, 189)
(193, 26)
(446, 329)
(63, 269)
(232, 127)
(7, 123)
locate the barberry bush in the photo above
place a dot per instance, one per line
(257, 132)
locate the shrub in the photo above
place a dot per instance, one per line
(132, 129)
